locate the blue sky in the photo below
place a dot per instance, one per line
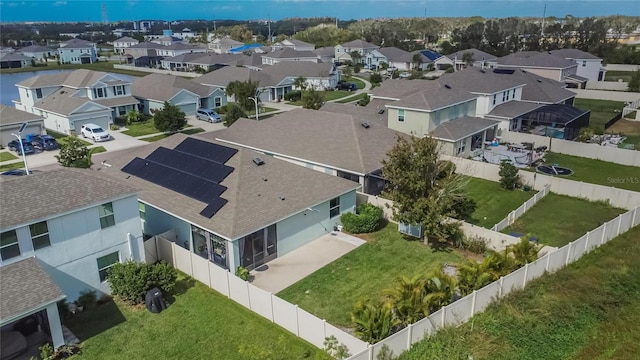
(90, 10)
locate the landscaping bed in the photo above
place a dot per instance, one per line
(199, 324)
(331, 292)
(556, 220)
(590, 310)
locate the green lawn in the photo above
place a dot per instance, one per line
(97, 66)
(601, 110)
(596, 171)
(62, 138)
(557, 219)
(589, 310)
(12, 166)
(141, 128)
(327, 95)
(352, 98)
(7, 156)
(613, 75)
(189, 131)
(331, 292)
(493, 202)
(199, 324)
(359, 83)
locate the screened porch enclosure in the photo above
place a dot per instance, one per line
(258, 248)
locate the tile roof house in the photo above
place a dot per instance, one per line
(275, 80)
(342, 51)
(65, 247)
(11, 119)
(263, 202)
(77, 51)
(67, 100)
(154, 89)
(344, 145)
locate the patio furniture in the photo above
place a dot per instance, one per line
(515, 147)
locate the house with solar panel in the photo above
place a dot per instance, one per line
(82, 225)
(433, 59)
(231, 205)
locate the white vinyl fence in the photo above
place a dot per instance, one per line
(463, 309)
(521, 210)
(266, 304)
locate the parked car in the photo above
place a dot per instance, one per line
(15, 146)
(208, 115)
(405, 75)
(347, 86)
(94, 132)
(44, 142)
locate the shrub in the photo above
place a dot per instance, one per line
(242, 273)
(293, 96)
(464, 208)
(364, 101)
(475, 245)
(130, 280)
(375, 78)
(365, 221)
(508, 175)
(87, 299)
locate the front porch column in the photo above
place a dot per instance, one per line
(54, 325)
(484, 138)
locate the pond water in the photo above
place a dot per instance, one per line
(9, 91)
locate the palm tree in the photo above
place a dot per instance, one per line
(355, 56)
(133, 116)
(416, 60)
(499, 264)
(372, 322)
(473, 275)
(300, 83)
(523, 252)
(407, 299)
(440, 289)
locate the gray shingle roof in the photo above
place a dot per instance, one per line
(270, 76)
(289, 53)
(118, 101)
(77, 44)
(253, 203)
(395, 54)
(325, 51)
(75, 79)
(161, 87)
(359, 44)
(399, 89)
(61, 102)
(223, 76)
(61, 190)
(126, 39)
(11, 115)
(437, 97)
(368, 113)
(574, 54)
(481, 81)
(227, 41)
(338, 140)
(535, 59)
(478, 55)
(513, 109)
(25, 287)
(14, 57)
(36, 48)
(543, 90)
(461, 128)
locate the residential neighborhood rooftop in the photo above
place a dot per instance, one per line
(477, 55)
(161, 87)
(461, 128)
(535, 59)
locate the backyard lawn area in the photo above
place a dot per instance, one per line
(596, 171)
(331, 292)
(613, 75)
(200, 324)
(493, 202)
(601, 110)
(560, 316)
(7, 156)
(557, 219)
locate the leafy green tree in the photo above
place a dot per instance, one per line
(133, 116)
(312, 99)
(233, 113)
(440, 289)
(73, 153)
(463, 208)
(509, 176)
(300, 83)
(422, 187)
(634, 82)
(169, 119)
(347, 71)
(242, 91)
(467, 57)
(372, 322)
(356, 56)
(407, 298)
(375, 78)
(383, 65)
(416, 60)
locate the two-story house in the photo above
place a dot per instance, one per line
(343, 52)
(288, 54)
(77, 51)
(123, 43)
(79, 224)
(223, 45)
(546, 65)
(589, 65)
(294, 44)
(67, 100)
(178, 48)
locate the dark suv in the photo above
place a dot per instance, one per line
(44, 142)
(347, 86)
(15, 146)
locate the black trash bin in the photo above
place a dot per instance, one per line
(155, 302)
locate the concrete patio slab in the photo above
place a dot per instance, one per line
(285, 271)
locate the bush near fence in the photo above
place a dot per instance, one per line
(463, 309)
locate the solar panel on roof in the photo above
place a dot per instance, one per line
(212, 152)
(194, 165)
(213, 207)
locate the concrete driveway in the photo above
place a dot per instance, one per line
(285, 271)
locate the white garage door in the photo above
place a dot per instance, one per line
(102, 122)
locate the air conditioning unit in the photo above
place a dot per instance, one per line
(411, 230)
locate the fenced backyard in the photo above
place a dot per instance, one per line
(521, 210)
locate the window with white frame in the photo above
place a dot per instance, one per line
(505, 96)
(99, 92)
(217, 101)
(401, 115)
(9, 245)
(105, 263)
(105, 212)
(39, 235)
(334, 207)
(118, 90)
(460, 146)
(513, 95)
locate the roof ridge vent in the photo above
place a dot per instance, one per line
(365, 125)
(447, 86)
(538, 80)
(258, 161)
(482, 71)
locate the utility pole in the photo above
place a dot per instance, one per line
(269, 24)
(544, 17)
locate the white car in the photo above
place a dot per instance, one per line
(94, 132)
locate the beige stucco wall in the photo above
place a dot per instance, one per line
(416, 123)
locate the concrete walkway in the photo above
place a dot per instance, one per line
(285, 271)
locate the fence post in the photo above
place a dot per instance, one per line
(371, 352)
(409, 335)
(297, 322)
(246, 283)
(173, 254)
(526, 273)
(273, 316)
(501, 284)
(619, 218)
(566, 262)
(546, 268)
(444, 313)
(635, 213)
(228, 285)
(473, 302)
(524, 210)
(586, 242)
(604, 233)
(324, 328)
